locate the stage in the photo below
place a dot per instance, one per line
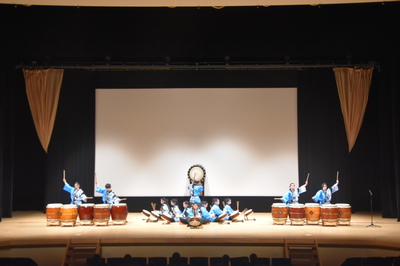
(27, 234)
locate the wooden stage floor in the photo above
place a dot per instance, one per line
(30, 230)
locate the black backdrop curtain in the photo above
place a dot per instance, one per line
(322, 139)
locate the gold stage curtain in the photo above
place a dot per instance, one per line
(353, 87)
(43, 90)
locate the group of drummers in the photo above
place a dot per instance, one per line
(311, 213)
(196, 212)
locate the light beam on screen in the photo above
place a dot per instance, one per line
(147, 139)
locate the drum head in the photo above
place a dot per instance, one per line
(222, 216)
(69, 206)
(155, 214)
(235, 214)
(102, 206)
(146, 213)
(166, 217)
(248, 212)
(197, 172)
(195, 221)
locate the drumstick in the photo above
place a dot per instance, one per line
(237, 205)
(277, 198)
(337, 176)
(63, 174)
(123, 199)
(89, 197)
(307, 177)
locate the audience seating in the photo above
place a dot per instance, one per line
(198, 261)
(157, 261)
(236, 261)
(18, 262)
(281, 262)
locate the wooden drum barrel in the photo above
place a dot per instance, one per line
(86, 214)
(296, 214)
(279, 213)
(53, 213)
(329, 214)
(119, 213)
(101, 214)
(313, 213)
(69, 213)
(344, 213)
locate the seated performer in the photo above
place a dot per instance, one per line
(292, 195)
(195, 188)
(324, 195)
(196, 213)
(216, 210)
(176, 212)
(76, 193)
(164, 209)
(109, 196)
(205, 214)
(185, 212)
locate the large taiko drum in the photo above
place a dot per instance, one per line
(101, 214)
(313, 213)
(86, 214)
(119, 213)
(329, 214)
(53, 213)
(69, 213)
(344, 213)
(297, 214)
(279, 213)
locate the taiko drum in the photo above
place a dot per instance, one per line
(101, 213)
(119, 212)
(86, 212)
(296, 212)
(329, 213)
(69, 213)
(344, 212)
(53, 212)
(279, 212)
(313, 213)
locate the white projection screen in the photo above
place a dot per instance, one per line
(245, 138)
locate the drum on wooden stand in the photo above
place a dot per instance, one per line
(101, 214)
(119, 213)
(329, 214)
(296, 214)
(194, 221)
(279, 213)
(86, 214)
(53, 213)
(313, 213)
(344, 213)
(69, 213)
(234, 215)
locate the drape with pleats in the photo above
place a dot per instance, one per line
(43, 90)
(353, 87)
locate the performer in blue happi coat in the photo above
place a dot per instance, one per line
(109, 197)
(205, 214)
(195, 189)
(175, 211)
(292, 195)
(215, 209)
(195, 212)
(324, 195)
(76, 193)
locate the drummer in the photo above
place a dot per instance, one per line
(205, 214)
(215, 209)
(195, 188)
(109, 197)
(176, 212)
(76, 193)
(195, 212)
(185, 212)
(292, 195)
(228, 209)
(324, 195)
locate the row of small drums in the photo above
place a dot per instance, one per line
(312, 213)
(89, 213)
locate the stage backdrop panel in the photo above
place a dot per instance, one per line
(246, 139)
